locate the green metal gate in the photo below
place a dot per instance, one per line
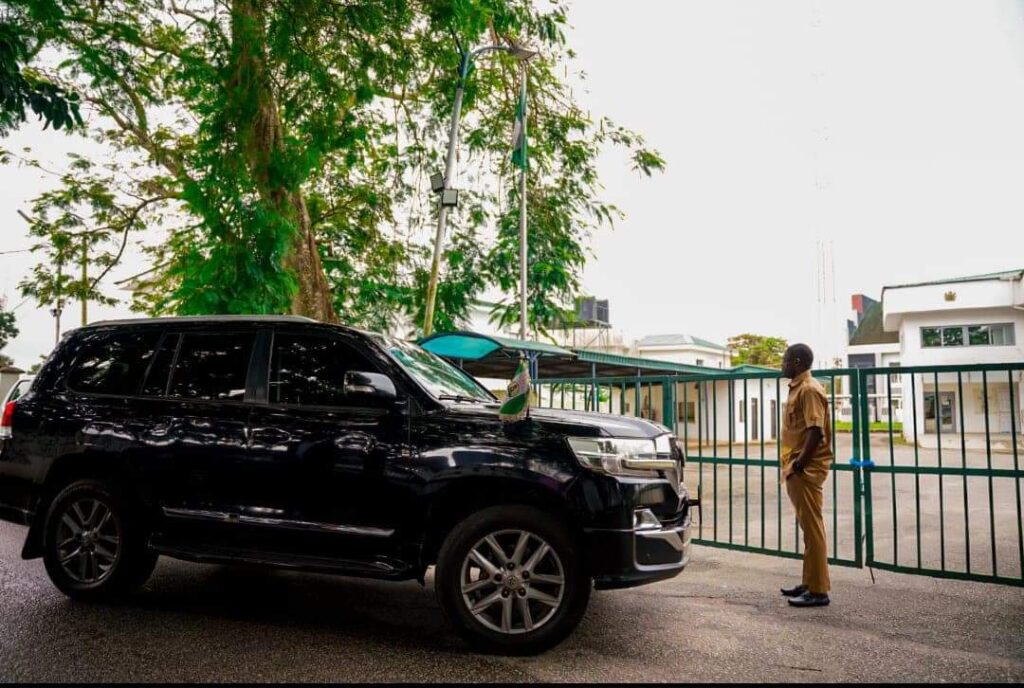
(964, 518)
(931, 487)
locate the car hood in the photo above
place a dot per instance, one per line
(568, 421)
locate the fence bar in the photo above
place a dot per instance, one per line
(963, 462)
(714, 452)
(761, 431)
(988, 453)
(937, 407)
(746, 455)
(778, 452)
(892, 462)
(1013, 442)
(917, 464)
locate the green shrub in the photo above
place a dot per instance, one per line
(844, 426)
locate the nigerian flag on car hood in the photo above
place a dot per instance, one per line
(517, 405)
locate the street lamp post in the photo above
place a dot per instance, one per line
(446, 200)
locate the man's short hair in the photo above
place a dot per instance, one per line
(803, 352)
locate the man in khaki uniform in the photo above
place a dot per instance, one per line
(805, 460)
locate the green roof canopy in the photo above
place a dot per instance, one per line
(483, 355)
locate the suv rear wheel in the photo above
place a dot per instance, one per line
(94, 545)
(511, 580)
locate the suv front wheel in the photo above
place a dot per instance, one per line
(94, 543)
(511, 580)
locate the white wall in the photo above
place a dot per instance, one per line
(912, 353)
(900, 302)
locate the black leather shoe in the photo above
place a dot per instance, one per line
(794, 592)
(809, 599)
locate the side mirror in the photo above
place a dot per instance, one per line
(370, 386)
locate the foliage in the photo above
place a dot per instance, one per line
(287, 144)
(756, 349)
(24, 89)
(5, 361)
(8, 330)
(86, 218)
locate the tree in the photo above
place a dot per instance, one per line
(287, 144)
(8, 331)
(24, 89)
(755, 349)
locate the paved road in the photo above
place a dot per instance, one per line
(720, 620)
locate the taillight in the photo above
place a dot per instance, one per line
(5, 421)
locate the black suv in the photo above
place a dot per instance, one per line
(280, 441)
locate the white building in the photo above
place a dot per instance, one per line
(870, 346)
(960, 321)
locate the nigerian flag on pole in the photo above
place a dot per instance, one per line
(519, 135)
(517, 405)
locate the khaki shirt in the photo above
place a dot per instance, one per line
(806, 408)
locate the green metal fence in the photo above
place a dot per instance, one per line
(891, 501)
(943, 496)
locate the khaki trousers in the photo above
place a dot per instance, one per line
(805, 493)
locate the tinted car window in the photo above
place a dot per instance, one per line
(309, 370)
(156, 379)
(212, 366)
(113, 363)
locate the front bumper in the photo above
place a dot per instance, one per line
(627, 558)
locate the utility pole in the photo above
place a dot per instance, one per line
(85, 279)
(57, 304)
(522, 213)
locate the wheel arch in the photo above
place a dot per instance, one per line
(63, 471)
(463, 497)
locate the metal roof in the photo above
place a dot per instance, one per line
(679, 340)
(485, 355)
(1004, 275)
(870, 329)
(631, 364)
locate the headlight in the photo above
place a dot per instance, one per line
(621, 456)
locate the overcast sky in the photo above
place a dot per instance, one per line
(890, 130)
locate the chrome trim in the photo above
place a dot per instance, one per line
(680, 540)
(288, 524)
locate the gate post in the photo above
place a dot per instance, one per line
(668, 404)
(862, 463)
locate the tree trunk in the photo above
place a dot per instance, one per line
(261, 137)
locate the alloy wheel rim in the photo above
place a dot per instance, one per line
(88, 541)
(512, 581)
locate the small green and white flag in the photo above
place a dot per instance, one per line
(517, 405)
(519, 135)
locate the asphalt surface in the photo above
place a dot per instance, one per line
(721, 620)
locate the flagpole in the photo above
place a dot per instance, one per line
(522, 212)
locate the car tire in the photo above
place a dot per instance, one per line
(94, 542)
(524, 600)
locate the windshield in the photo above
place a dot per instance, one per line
(437, 375)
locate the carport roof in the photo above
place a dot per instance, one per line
(484, 355)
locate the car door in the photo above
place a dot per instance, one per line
(326, 447)
(198, 432)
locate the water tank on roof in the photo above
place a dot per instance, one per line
(592, 311)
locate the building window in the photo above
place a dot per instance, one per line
(743, 412)
(952, 336)
(931, 336)
(990, 335)
(1000, 334)
(687, 411)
